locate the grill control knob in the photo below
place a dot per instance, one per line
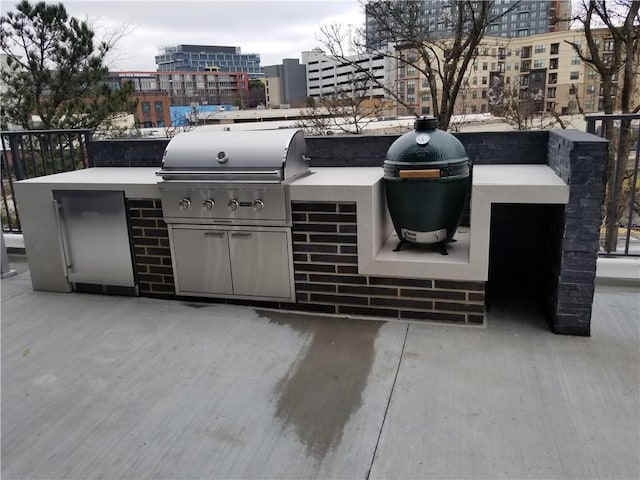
(258, 205)
(234, 204)
(184, 204)
(209, 204)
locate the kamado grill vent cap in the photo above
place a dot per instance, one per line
(425, 124)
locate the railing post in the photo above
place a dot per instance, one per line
(5, 268)
(87, 139)
(16, 158)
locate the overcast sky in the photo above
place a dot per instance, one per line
(275, 29)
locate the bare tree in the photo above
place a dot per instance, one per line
(440, 55)
(516, 106)
(614, 57)
(612, 33)
(353, 107)
(315, 120)
(349, 108)
(521, 108)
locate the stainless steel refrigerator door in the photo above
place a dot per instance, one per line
(95, 237)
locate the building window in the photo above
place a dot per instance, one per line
(592, 74)
(538, 63)
(474, 94)
(553, 78)
(426, 110)
(474, 80)
(591, 89)
(426, 97)
(574, 75)
(158, 107)
(539, 48)
(146, 108)
(575, 60)
(485, 65)
(555, 48)
(553, 64)
(484, 94)
(551, 92)
(411, 71)
(484, 80)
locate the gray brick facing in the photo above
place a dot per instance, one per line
(325, 268)
(580, 159)
(354, 294)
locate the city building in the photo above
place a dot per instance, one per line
(152, 110)
(286, 84)
(544, 67)
(327, 75)
(208, 58)
(187, 88)
(529, 17)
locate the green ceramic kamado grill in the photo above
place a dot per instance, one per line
(426, 176)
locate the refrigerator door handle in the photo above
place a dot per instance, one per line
(66, 257)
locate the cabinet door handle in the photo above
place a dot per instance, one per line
(241, 235)
(214, 234)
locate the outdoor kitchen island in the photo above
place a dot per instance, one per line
(342, 241)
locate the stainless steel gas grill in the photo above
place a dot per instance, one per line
(225, 200)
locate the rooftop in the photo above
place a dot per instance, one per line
(127, 387)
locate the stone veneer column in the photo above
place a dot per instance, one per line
(580, 159)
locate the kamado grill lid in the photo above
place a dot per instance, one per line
(426, 145)
(265, 155)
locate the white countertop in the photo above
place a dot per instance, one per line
(468, 259)
(515, 175)
(483, 175)
(101, 176)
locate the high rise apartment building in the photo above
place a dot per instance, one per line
(208, 58)
(286, 84)
(186, 88)
(529, 17)
(543, 66)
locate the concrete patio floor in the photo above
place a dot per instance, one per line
(116, 387)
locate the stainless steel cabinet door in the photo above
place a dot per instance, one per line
(95, 237)
(201, 261)
(260, 263)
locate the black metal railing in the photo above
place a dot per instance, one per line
(35, 153)
(620, 233)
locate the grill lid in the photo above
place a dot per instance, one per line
(269, 156)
